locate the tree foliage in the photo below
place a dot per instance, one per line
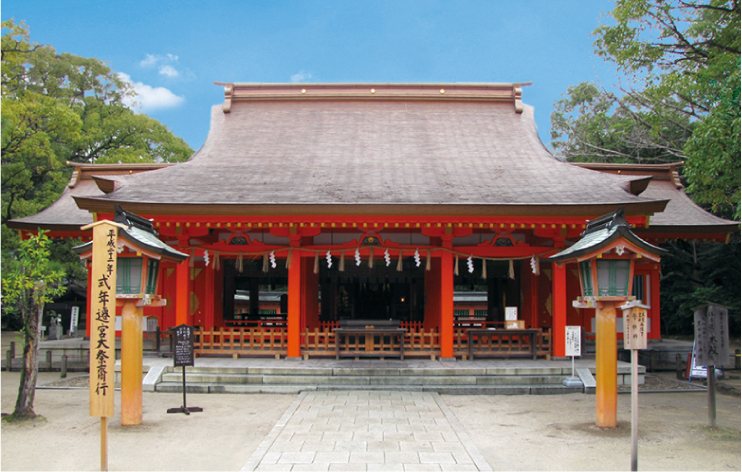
(681, 102)
(62, 107)
(59, 107)
(593, 125)
(29, 280)
(694, 273)
(678, 101)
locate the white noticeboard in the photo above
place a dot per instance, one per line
(573, 339)
(74, 317)
(511, 313)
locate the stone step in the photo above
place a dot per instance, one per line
(392, 380)
(177, 387)
(361, 371)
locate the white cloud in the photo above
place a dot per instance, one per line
(169, 71)
(150, 98)
(301, 76)
(149, 61)
(164, 63)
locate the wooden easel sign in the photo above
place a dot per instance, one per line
(183, 357)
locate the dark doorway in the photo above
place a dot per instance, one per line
(372, 293)
(485, 299)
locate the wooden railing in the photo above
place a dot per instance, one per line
(242, 341)
(317, 342)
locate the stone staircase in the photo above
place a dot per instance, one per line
(537, 380)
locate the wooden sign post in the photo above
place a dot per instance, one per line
(102, 327)
(182, 357)
(711, 324)
(635, 338)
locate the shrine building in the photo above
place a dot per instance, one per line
(428, 207)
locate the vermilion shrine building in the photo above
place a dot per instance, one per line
(434, 205)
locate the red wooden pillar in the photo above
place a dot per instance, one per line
(209, 296)
(311, 295)
(293, 319)
(432, 317)
(446, 304)
(559, 311)
(182, 297)
(654, 301)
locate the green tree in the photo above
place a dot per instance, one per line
(28, 282)
(59, 107)
(593, 125)
(62, 107)
(679, 101)
(685, 56)
(694, 273)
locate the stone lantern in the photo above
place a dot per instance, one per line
(606, 254)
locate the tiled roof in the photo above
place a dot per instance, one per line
(409, 147)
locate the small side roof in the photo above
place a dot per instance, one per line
(64, 214)
(682, 218)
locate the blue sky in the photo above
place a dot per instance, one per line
(173, 51)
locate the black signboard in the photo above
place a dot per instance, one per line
(183, 356)
(183, 345)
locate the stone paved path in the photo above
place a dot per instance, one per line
(367, 430)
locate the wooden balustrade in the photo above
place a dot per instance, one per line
(242, 341)
(322, 342)
(423, 342)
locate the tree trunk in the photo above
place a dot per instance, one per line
(27, 388)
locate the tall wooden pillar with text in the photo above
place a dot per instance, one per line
(103, 334)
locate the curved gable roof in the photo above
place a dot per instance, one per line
(326, 146)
